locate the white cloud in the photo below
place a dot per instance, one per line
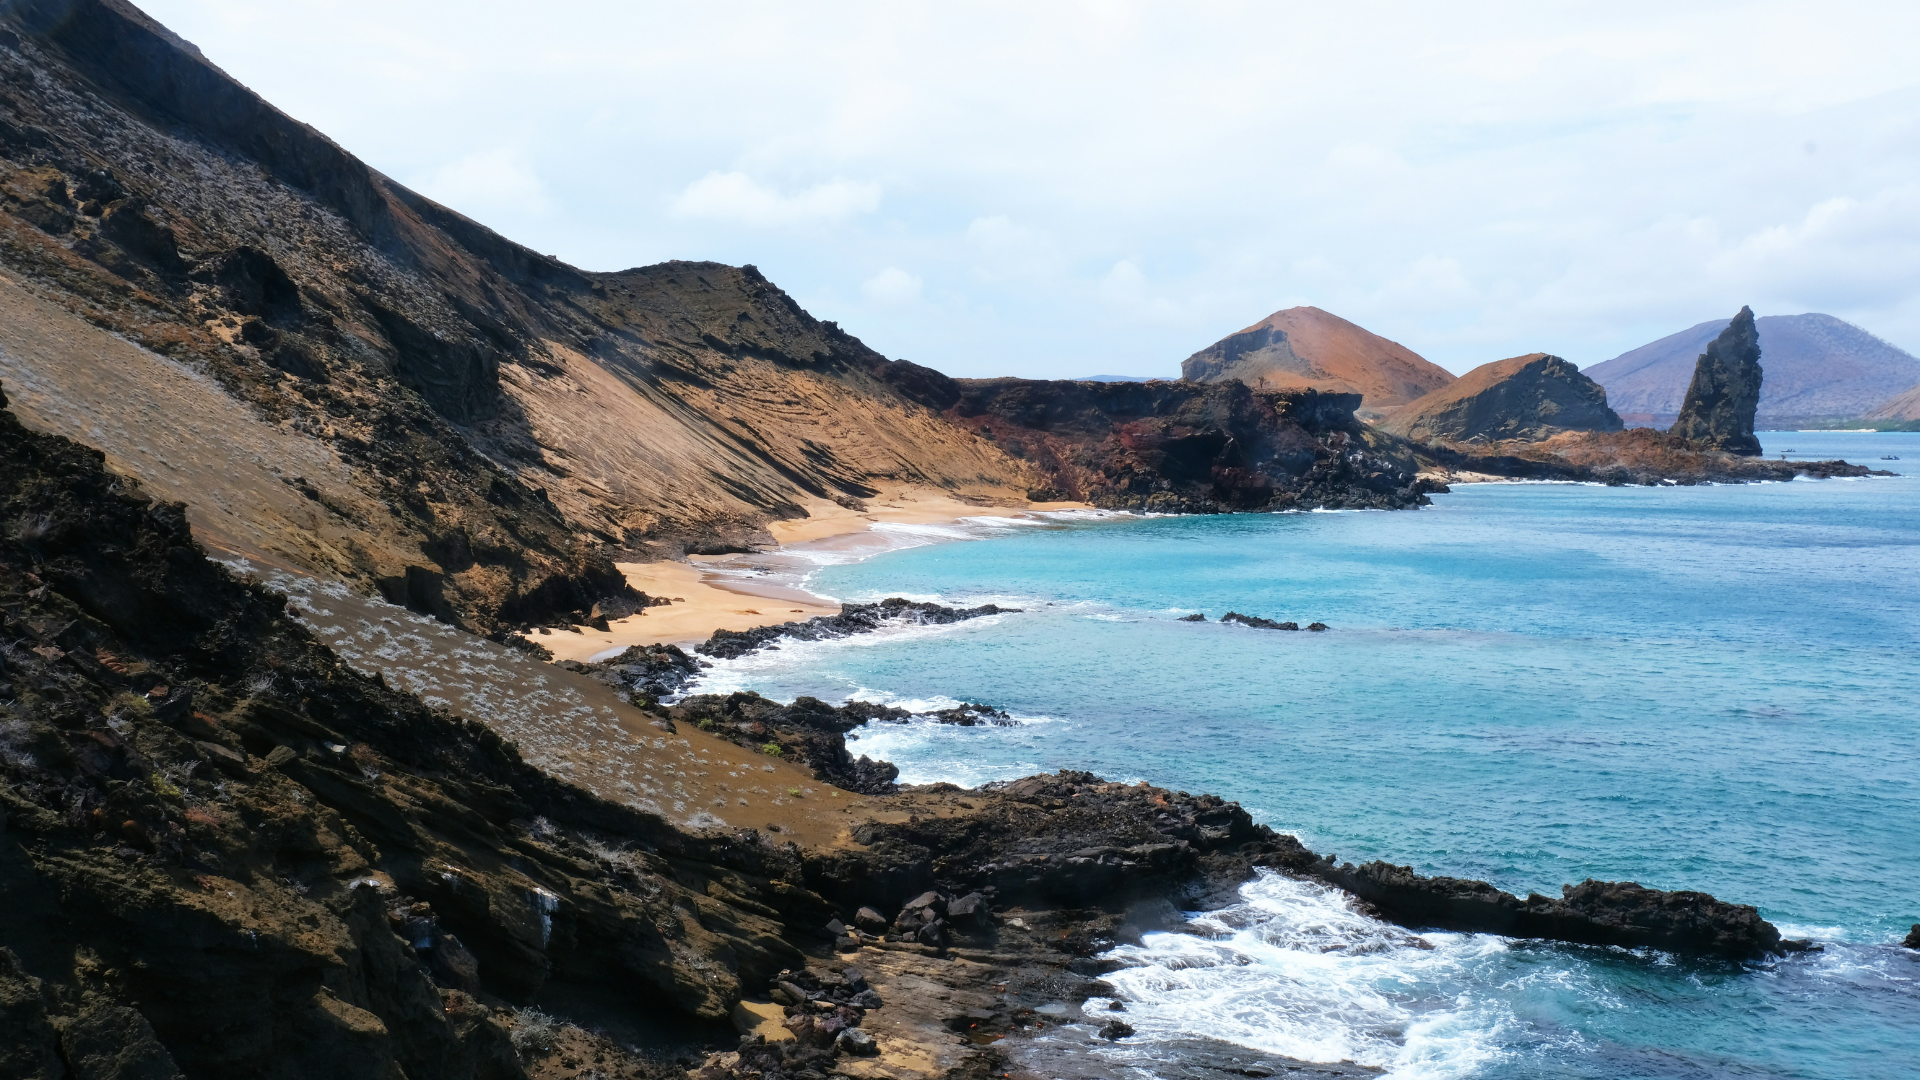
(493, 182)
(736, 197)
(892, 286)
(1474, 180)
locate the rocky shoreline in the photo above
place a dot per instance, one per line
(227, 853)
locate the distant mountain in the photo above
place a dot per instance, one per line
(1305, 347)
(1817, 368)
(1526, 397)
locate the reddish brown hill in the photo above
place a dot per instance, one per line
(1307, 348)
(1523, 397)
(1902, 407)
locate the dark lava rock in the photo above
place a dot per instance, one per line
(856, 1042)
(1725, 391)
(853, 619)
(969, 714)
(648, 672)
(1186, 447)
(1195, 617)
(970, 912)
(1528, 397)
(1116, 1029)
(1318, 626)
(809, 731)
(1257, 622)
(1913, 937)
(1591, 913)
(117, 1042)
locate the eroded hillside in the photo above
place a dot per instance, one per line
(338, 374)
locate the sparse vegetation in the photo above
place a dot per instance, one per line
(533, 1030)
(772, 750)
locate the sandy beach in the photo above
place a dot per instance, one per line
(706, 600)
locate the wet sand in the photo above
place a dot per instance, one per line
(739, 592)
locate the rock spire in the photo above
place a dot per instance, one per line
(1725, 391)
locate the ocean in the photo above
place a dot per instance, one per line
(1706, 688)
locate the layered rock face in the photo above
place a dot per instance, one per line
(1725, 391)
(1307, 348)
(1526, 397)
(1189, 447)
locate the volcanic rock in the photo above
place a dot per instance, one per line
(1257, 622)
(1819, 370)
(1525, 397)
(1184, 447)
(1725, 391)
(1593, 912)
(853, 619)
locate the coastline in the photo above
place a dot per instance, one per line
(750, 590)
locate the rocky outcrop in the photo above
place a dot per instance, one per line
(853, 619)
(1641, 456)
(809, 732)
(1590, 913)
(1183, 447)
(225, 851)
(1305, 348)
(1073, 840)
(1528, 397)
(1725, 392)
(1819, 370)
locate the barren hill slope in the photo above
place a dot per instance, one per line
(1901, 407)
(1307, 348)
(1818, 368)
(339, 374)
(1523, 397)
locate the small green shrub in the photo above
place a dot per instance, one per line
(794, 791)
(772, 749)
(705, 725)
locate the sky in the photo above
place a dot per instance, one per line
(1064, 189)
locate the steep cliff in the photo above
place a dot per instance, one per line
(1725, 391)
(1525, 397)
(340, 375)
(1307, 348)
(1190, 447)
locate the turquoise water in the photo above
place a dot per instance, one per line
(1708, 688)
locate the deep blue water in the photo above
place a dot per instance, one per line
(1710, 688)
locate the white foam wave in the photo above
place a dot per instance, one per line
(1295, 969)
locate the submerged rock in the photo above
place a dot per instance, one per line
(1725, 392)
